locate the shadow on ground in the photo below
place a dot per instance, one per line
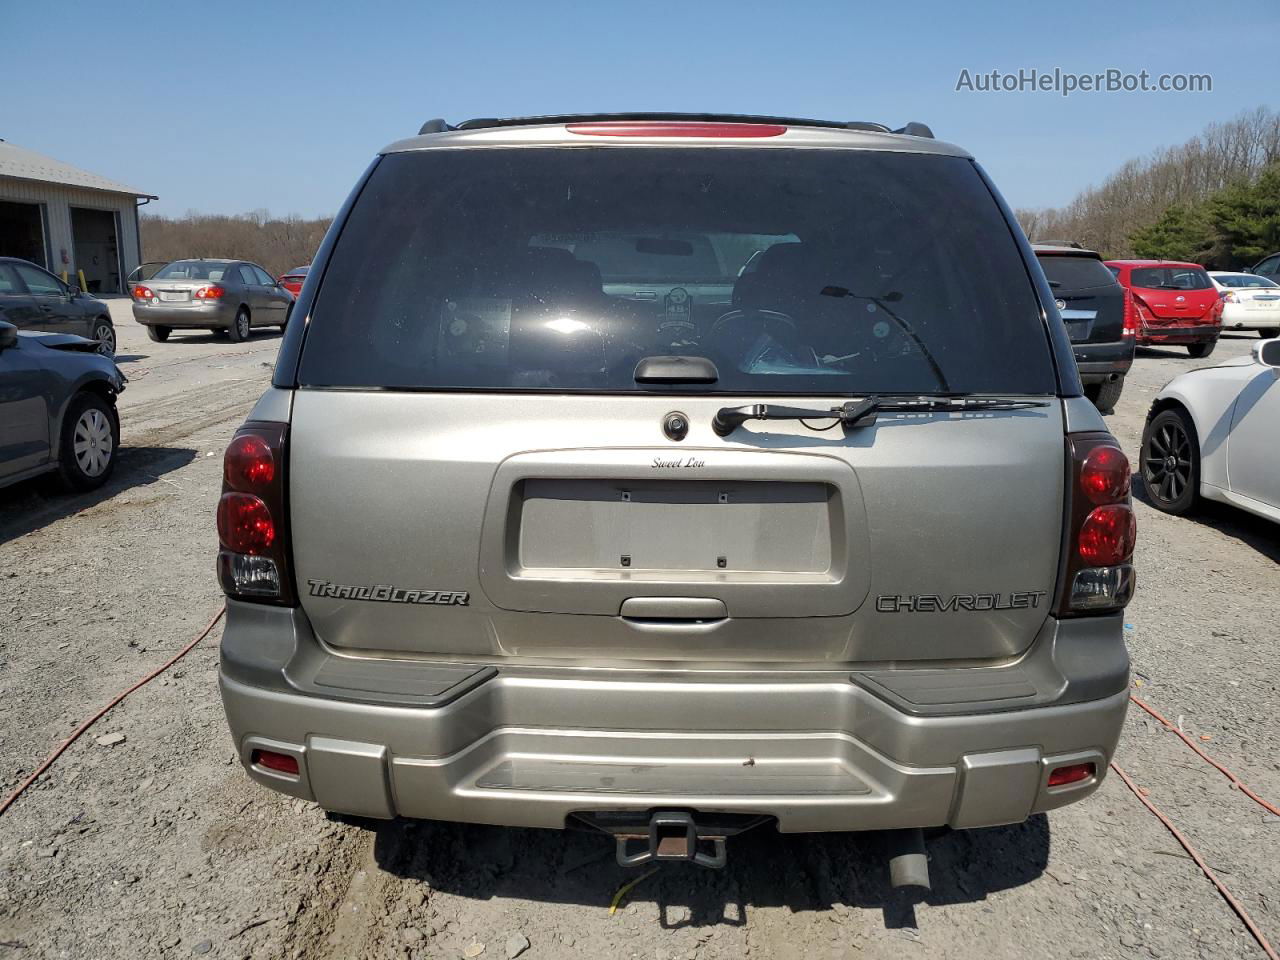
(33, 504)
(1262, 535)
(802, 872)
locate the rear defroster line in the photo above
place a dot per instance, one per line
(1232, 902)
(75, 734)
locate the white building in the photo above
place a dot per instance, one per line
(64, 218)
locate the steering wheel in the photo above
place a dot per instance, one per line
(738, 332)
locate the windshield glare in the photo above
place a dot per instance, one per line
(794, 271)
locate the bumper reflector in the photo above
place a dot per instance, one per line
(1102, 588)
(1072, 773)
(279, 762)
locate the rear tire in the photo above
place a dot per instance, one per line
(159, 334)
(105, 334)
(238, 332)
(1105, 395)
(89, 445)
(1199, 350)
(1268, 334)
(1170, 462)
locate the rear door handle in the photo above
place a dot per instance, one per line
(674, 608)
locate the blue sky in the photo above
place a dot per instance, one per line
(232, 107)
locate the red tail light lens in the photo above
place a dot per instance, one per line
(1095, 573)
(1071, 773)
(253, 524)
(249, 463)
(142, 293)
(210, 293)
(675, 128)
(1104, 475)
(1130, 316)
(1229, 296)
(1108, 535)
(245, 524)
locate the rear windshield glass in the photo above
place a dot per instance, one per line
(1075, 273)
(193, 270)
(1170, 278)
(794, 271)
(1243, 280)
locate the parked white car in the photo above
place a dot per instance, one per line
(1250, 302)
(1214, 432)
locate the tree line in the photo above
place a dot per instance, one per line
(276, 243)
(1214, 200)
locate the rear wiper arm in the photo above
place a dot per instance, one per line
(862, 413)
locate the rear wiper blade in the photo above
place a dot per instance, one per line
(862, 413)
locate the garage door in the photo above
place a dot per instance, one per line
(22, 231)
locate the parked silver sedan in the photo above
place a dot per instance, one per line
(230, 295)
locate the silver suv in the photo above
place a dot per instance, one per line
(673, 475)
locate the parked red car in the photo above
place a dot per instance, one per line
(292, 281)
(1176, 303)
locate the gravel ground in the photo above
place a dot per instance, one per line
(146, 840)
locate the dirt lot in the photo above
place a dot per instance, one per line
(160, 846)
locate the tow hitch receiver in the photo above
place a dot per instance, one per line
(672, 835)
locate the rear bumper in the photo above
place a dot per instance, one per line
(1237, 316)
(1204, 333)
(218, 314)
(1100, 362)
(529, 746)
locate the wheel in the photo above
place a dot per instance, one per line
(1268, 334)
(105, 334)
(159, 334)
(1171, 461)
(1106, 395)
(239, 329)
(1199, 350)
(89, 444)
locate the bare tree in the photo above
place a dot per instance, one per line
(278, 244)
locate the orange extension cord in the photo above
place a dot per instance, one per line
(75, 734)
(1232, 902)
(1186, 844)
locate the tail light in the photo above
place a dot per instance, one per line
(1141, 313)
(142, 293)
(253, 562)
(210, 293)
(675, 128)
(1130, 315)
(1097, 576)
(1229, 296)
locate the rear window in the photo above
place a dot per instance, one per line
(1170, 278)
(795, 271)
(1240, 280)
(1066, 272)
(193, 270)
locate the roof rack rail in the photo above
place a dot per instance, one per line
(1070, 244)
(914, 129)
(440, 126)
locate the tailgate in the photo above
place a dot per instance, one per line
(470, 526)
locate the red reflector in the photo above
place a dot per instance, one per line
(279, 762)
(245, 524)
(1071, 773)
(675, 128)
(1108, 535)
(248, 463)
(1104, 476)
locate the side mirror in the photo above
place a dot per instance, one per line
(1267, 353)
(8, 335)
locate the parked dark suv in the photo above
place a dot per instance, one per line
(1098, 316)
(674, 475)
